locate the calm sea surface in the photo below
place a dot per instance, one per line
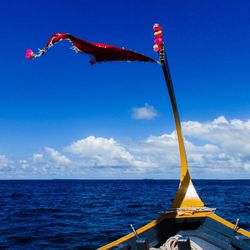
(84, 214)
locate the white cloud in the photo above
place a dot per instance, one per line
(4, 162)
(99, 151)
(57, 157)
(232, 139)
(37, 158)
(24, 164)
(147, 112)
(231, 136)
(219, 149)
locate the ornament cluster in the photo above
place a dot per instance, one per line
(158, 41)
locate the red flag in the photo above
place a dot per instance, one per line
(100, 52)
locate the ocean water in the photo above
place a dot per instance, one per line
(86, 214)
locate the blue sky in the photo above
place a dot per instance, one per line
(63, 118)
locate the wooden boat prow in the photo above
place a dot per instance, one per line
(197, 226)
(208, 230)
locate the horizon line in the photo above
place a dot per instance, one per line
(120, 179)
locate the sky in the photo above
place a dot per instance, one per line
(61, 117)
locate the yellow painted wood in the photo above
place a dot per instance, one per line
(186, 195)
(228, 224)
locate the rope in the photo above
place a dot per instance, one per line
(171, 244)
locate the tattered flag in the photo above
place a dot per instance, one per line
(99, 52)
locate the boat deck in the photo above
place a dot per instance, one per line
(207, 233)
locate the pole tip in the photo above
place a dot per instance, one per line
(158, 41)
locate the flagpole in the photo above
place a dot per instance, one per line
(186, 195)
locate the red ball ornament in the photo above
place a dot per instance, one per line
(156, 48)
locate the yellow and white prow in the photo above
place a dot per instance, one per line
(186, 195)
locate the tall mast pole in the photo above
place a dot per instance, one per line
(186, 195)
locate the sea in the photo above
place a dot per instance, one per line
(87, 214)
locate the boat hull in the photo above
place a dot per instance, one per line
(207, 230)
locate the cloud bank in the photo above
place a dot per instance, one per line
(219, 148)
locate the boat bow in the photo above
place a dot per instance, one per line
(186, 195)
